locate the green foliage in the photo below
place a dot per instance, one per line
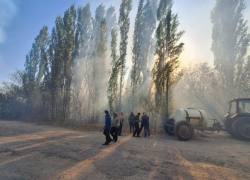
(68, 50)
(165, 70)
(148, 28)
(111, 20)
(98, 59)
(136, 61)
(97, 25)
(205, 89)
(13, 97)
(57, 53)
(124, 23)
(113, 79)
(244, 82)
(230, 40)
(210, 88)
(163, 6)
(83, 31)
(35, 66)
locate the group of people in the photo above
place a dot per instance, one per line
(134, 124)
(113, 125)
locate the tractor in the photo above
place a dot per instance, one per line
(236, 121)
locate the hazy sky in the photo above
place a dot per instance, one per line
(21, 21)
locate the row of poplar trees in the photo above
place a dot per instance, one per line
(79, 69)
(64, 65)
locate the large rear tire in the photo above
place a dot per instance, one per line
(169, 127)
(241, 128)
(183, 130)
(228, 125)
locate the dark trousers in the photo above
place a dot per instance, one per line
(137, 130)
(113, 133)
(141, 128)
(120, 130)
(131, 126)
(108, 138)
(146, 131)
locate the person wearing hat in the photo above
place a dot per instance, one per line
(107, 127)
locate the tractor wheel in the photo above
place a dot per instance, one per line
(228, 126)
(183, 130)
(170, 130)
(241, 128)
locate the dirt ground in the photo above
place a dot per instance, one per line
(32, 151)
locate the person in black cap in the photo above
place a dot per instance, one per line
(136, 124)
(107, 127)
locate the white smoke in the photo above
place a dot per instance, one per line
(8, 10)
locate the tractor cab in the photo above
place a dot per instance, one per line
(237, 121)
(239, 106)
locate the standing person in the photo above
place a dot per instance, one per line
(145, 122)
(115, 124)
(136, 124)
(121, 124)
(142, 123)
(107, 127)
(131, 121)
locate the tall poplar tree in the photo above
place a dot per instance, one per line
(137, 57)
(244, 84)
(124, 23)
(167, 50)
(83, 31)
(230, 40)
(98, 58)
(56, 57)
(35, 67)
(68, 55)
(113, 78)
(149, 25)
(82, 65)
(110, 20)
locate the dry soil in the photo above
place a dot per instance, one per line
(32, 151)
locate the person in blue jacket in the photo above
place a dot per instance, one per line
(107, 127)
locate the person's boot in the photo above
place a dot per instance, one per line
(105, 144)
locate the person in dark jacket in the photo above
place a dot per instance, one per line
(142, 123)
(107, 127)
(145, 122)
(136, 124)
(131, 121)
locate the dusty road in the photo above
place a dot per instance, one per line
(31, 151)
